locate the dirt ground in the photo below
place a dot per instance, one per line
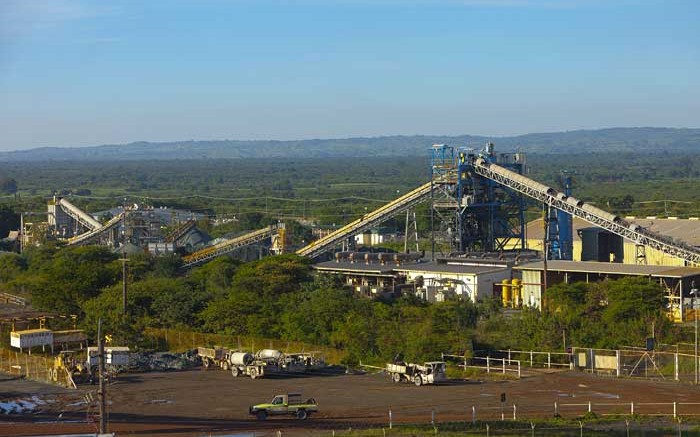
(197, 401)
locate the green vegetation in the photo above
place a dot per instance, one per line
(279, 298)
(608, 315)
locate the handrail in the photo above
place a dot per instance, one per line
(368, 220)
(228, 246)
(587, 212)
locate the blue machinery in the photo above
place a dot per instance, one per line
(472, 213)
(478, 204)
(559, 227)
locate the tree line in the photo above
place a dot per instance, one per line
(281, 297)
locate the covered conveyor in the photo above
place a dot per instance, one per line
(587, 212)
(229, 246)
(368, 221)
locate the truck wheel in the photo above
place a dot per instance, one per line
(206, 363)
(418, 381)
(261, 415)
(253, 373)
(234, 371)
(302, 415)
(224, 365)
(396, 378)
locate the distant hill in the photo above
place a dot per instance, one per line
(639, 140)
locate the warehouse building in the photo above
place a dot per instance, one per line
(591, 243)
(392, 274)
(677, 281)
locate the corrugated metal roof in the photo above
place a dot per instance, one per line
(612, 268)
(358, 267)
(389, 268)
(448, 268)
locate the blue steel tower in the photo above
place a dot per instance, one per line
(476, 214)
(559, 227)
(564, 221)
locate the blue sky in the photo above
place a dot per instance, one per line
(78, 73)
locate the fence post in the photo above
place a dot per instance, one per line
(518, 369)
(556, 409)
(674, 409)
(473, 414)
(549, 360)
(619, 362)
(531, 360)
(390, 420)
(675, 366)
(631, 408)
(504, 365)
(432, 417)
(514, 413)
(488, 364)
(508, 354)
(590, 410)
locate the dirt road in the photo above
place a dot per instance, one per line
(192, 402)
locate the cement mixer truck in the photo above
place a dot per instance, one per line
(265, 362)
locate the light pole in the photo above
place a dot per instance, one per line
(694, 293)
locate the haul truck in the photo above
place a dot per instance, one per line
(430, 372)
(214, 356)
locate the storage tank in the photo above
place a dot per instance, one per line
(269, 354)
(516, 292)
(505, 292)
(240, 358)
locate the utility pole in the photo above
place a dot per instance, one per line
(101, 366)
(124, 260)
(694, 292)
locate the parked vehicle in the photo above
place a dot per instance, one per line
(245, 364)
(291, 404)
(430, 372)
(214, 356)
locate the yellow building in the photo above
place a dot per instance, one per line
(686, 230)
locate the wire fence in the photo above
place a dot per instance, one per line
(637, 363)
(178, 341)
(22, 365)
(565, 419)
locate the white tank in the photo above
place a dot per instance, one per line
(269, 353)
(240, 358)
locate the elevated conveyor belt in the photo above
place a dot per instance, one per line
(368, 221)
(95, 233)
(589, 213)
(79, 215)
(180, 231)
(228, 246)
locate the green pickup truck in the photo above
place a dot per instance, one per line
(290, 404)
